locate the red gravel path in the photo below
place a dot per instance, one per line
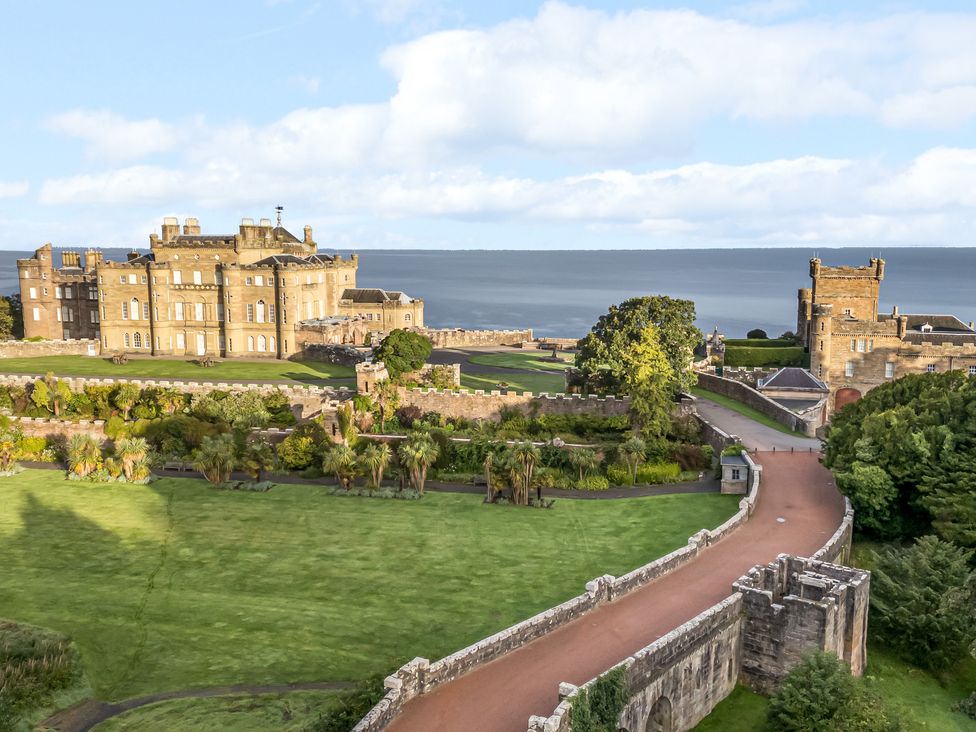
(501, 695)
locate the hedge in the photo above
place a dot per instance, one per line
(759, 342)
(788, 356)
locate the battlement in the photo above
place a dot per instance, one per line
(874, 270)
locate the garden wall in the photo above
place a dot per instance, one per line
(37, 427)
(460, 338)
(30, 349)
(752, 398)
(489, 405)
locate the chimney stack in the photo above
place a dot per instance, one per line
(70, 259)
(894, 311)
(132, 255)
(92, 259)
(171, 228)
(308, 234)
(902, 325)
(191, 226)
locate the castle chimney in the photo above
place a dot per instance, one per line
(894, 311)
(171, 228)
(308, 234)
(92, 259)
(191, 226)
(70, 259)
(132, 255)
(902, 325)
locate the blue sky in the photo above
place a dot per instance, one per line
(428, 123)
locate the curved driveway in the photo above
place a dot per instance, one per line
(500, 696)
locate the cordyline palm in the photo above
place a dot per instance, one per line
(341, 461)
(131, 452)
(418, 452)
(346, 430)
(385, 395)
(634, 452)
(583, 459)
(258, 457)
(375, 458)
(215, 458)
(488, 465)
(84, 454)
(526, 457)
(8, 448)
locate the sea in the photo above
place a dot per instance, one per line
(562, 293)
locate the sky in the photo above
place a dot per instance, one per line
(507, 125)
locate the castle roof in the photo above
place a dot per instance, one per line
(294, 259)
(793, 378)
(375, 295)
(935, 329)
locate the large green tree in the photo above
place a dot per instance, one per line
(403, 351)
(11, 317)
(600, 357)
(905, 454)
(651, 381)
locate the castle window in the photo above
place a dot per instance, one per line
(57, 313)
(157, 343)
(230, 344)
(260, 311)
(135, 309)
(218, 277)
(43, 275)
(154, 279)
(862, 345)
(145, 339)
(262, 343)
(37, 313)
(849, 368)
(103, 312)
(930, 368)
(181, 341)
(177, 277)
(93, 316)
(197, 278)
(199, 311)
(369, 316)
(143, 279)
(271, 313)
(250, 343)
(870, 344)
(736, 475)
(92, 293)
(57, 292)
(889, 370)
(259, 280)
(820, 371)
(33, 293)
(821, 344)
(853, 344)
(125, 311)
(823, 325)
(137, 340)
(178, 310)
(972, 370)
(407, 317)
(220, 313)
(121, 279)
(132, 279)
(250, 314)
(271, 343)
(145, 310)
(848, 312)
(68, 292)
(45, 292)
(125, 339)
(248, 281)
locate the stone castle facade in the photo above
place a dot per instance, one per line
(249, 294)
(854, 348)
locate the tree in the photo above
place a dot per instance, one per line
(374, 459)
(923, 602)
(11, 317)
(488, 465)
(600, 352)
(257, 458)
(297, 452)
(340, 460)
(41, 395)
(8, 451)
(650, 380)
(757, 333)
(124, 397)
(417, 453)
(386, 394)
(525, 457)
(820, 694)
(215, 458)
(584, 460)
(84, 454)
(345, 426)
(132, 455)
(403, 351)
(634, 452)
(60, 393)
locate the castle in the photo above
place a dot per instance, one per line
(854, 348)
(261, 292)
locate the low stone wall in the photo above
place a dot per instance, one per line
(743, 374)
(838, 547)
(461, 338)
(38, 427)
(489, 405)
(30, 349)
(714, 436)
(752, 398)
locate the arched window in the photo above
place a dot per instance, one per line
(125, 339)
(250, 343)
(137, 340)
(145, 339)
(271, 344)
(262, 343)
(406, 317)
(260, 311)
(134, 309)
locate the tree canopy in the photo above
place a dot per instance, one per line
(905, 454)
(757, 333)
(601, 352)
(11, 317)
(403, 351)
(651, 382)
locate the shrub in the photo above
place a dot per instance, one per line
(596, 708)
(297, 452)
(31, 448)
(407, 415)
(215, 458)
(692, 457)
(592, 483)
(619, 475)
(967, 706)
(403, 351)
(654, 473)
(115, 427)
(757, 333)
(351, 706)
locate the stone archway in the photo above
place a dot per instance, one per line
(843, 397)
(660, 718)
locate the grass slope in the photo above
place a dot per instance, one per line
(177, 584)
(532, 360)
(292, 712)
(742, 409)
(162, 368)
(536, 383)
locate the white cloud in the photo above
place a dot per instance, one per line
(111, 137)
(947, 108)
(308, 84)
(13, 189)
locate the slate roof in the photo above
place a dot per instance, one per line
(282, 234)
(226, 239)
(281, 259)
(945, 329)
(374, 295)
(733, 460)
(792, 377)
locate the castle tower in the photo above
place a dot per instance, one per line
(821, 328)
(853, 291)
(804, 306)
(37, 294)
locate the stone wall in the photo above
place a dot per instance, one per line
(712, 435)
(752, 398)
(838, 547)
(38, 427)
(489, 405)
(461, 338)
(31, 349)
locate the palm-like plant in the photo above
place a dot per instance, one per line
(488, 465)
(8, 449)
(418, 452)
(346, 429)
(386, 396)
(526, 457)
(132, 455)
(584, 460)
(215, 458)
(257, 458)
(84, 454)
(634, 452)
(341, 462)
(375, 458)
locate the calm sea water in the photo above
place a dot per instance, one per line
(561, 293)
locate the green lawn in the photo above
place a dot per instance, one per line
(163, 368)
(532, 360)
(742, 409)
(178, 584)
(291, 712)
(924, 702)
(550, 383)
